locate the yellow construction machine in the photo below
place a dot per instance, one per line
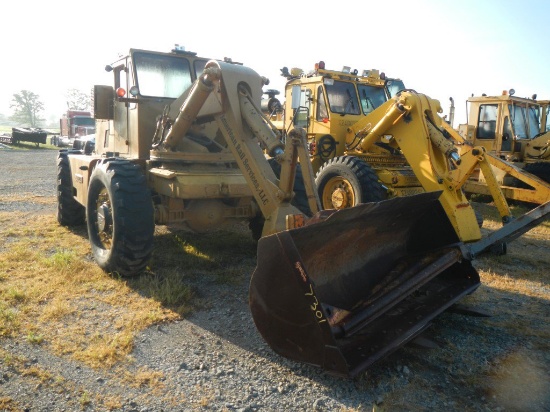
(181, 140)
(337, 108)
(513, 129)
(544, 118)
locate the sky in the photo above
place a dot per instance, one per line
(442, 48)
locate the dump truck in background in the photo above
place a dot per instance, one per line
(182, 140)
(74, 124)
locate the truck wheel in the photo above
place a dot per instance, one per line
(539, 169)
(69, 211)
(120, 217)
(347, 181)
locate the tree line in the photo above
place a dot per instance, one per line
(28, 108)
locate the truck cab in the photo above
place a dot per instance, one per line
(504, 124)
(326, 103)
(153, 79)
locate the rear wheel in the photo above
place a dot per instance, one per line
(69, 211)
(120, 217)
(347, 181)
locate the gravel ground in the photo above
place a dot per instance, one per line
(216, 360)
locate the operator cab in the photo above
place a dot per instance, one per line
(145, 82)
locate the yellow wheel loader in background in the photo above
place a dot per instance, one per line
(514, 129)
(337, 109)
(339, 289)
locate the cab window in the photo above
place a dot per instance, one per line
(322, 112)
(342, 98)
(487, 121)
(394, 86)
(371, 97)
(162, 76)
(302, 113)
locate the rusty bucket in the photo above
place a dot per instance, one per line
(356, 284)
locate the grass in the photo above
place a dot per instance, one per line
(53, 294)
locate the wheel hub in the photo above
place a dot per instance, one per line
(104, 218)
(339, 198)
(338, 194)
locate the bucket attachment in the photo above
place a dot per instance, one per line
(354, 286)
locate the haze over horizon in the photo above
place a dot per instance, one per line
(439, 48)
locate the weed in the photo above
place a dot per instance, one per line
(169, 289)
(85, 399)
(15, 295)
(61, 259)
(37, 372)
(144, 377)
(9, 323)
(35, 338)
(8, 404)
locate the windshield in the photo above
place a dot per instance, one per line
(371, 97)
(394, 86)
(84, 121)
(162, 76)
(342, 97)
(525, 121)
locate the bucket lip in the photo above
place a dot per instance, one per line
(407, 334)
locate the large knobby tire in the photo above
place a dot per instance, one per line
(539, 169)
(69, 211)
(347, 181)
(120, 217)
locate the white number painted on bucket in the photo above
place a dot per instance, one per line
(314, 307)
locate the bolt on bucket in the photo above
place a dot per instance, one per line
(356, 284)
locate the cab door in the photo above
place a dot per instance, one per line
(487, 126)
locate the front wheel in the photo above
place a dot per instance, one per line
(69, 211)
(347, 181)
(120, 217)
